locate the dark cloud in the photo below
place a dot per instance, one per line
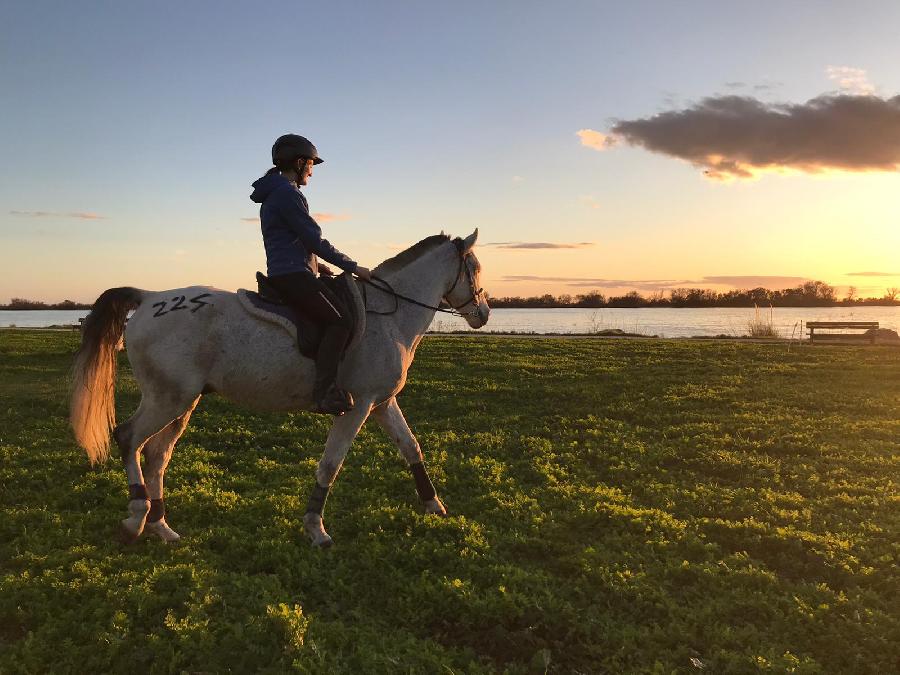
(873, 274)
(81, 215)
(735, 85)
(536, 244)
(736, 136)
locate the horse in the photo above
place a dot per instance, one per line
(213, 345)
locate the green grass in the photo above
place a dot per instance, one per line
(616, 506)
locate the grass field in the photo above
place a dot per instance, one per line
(616, 506)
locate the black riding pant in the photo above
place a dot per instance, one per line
(308, 296)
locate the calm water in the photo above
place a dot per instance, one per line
(668, 322)
(665, 322)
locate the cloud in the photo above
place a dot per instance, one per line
(330, 217)
(743, 282)
(851, 80)
(536, 244)
(179, 255)
(873, 274)
(319, 217)
(670, 98)
(591, 201)
(638, 284)
(758, 281)
(594, 139)
(517, 179)
(82, 215)
(740, 136)
(735, 85)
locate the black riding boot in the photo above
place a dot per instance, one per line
(329, 398)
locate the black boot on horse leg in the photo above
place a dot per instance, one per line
(391, 419)
(312, 519)
(340, 437)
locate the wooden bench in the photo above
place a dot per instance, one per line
(813, 326)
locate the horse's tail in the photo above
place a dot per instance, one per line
(92, 410)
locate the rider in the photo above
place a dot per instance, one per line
(293, 240)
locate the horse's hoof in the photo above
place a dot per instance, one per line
(162, 530)
(132, 527)
(323, 542)
(435, 507)
(126, 534)
(315, 530)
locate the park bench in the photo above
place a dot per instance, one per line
(864, 326)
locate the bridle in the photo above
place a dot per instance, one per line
(456, 310)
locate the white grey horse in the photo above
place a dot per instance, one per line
(206, 342)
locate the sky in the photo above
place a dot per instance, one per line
(595, 146)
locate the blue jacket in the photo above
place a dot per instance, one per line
(291, 237)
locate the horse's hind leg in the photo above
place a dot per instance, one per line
(152, 416)
(157, 453)
(391, 419)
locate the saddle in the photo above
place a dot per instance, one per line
(266, 304)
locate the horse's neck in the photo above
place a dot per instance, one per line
(425, 280)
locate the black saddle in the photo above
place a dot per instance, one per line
(309, 333)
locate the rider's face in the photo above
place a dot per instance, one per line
(304, 171)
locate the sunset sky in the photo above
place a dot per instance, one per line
(609, 146)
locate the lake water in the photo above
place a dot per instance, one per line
(662, 321)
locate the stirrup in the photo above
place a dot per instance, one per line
(335, 401)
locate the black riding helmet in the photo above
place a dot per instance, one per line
(291, 146)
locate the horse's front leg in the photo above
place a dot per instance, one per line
(341, 436)
(391, 419)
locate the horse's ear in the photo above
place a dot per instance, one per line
(469, 241)
(442, 234)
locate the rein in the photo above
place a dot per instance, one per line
(455, 310)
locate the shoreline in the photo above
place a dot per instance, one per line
(603, 335)
(602, 307)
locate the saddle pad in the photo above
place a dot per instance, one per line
(302, 329)
(281, 315)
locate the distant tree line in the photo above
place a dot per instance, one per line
(809, 294)
(22, 303)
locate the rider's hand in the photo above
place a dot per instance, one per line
(325, 270)
(363, 273)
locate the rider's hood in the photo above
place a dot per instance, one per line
(267, 185)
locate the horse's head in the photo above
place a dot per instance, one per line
(466, 294)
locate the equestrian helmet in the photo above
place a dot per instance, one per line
(291, 146)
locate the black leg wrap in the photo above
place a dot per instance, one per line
(137, 491)
(157, 510)
(423, 482)
(316, 503)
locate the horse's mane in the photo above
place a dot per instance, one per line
(414, 252)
